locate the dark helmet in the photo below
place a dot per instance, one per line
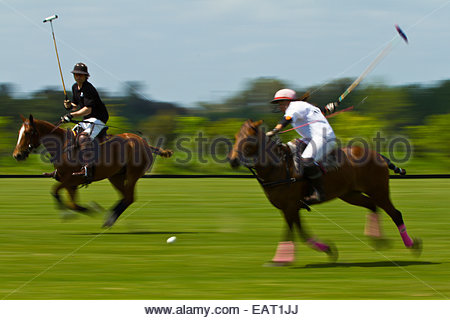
(80, 68)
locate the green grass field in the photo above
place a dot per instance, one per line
(226, 231)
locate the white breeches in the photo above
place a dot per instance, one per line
(91, 126)
(317, 148)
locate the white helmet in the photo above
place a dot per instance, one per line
(284, 94)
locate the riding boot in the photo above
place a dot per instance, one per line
(297, 149)
(297, 166)
(318, 194)
(314, 175)
(86, 148)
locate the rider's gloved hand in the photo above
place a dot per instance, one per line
(329, 108)
(272, 132)
(67, 104)
(66, 118)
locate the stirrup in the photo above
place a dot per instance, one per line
(314, 198)
(88, 175)
(87, 172)
(82, 172)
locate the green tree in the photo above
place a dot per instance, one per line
(389, 106)
(430, 141)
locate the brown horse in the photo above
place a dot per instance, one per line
(361, 179)
(122, 159)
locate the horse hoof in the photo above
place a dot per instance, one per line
(68, 215)
(380, 243)
(110, 221)
(417, 247)
(94, 206)
(94, 210)
(332, 252)
(108, 224)
(81, 209)
(272, 264)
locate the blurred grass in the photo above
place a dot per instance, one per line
(226, 230)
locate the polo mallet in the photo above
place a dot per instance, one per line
(50, 19)
(377, 59)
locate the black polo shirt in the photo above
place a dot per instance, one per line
(88, 96)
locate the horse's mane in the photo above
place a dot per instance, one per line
(50, 127)
(281, 149)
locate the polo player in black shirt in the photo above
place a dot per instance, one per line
(87, 104)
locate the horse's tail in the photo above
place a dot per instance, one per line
(392, 166)
(164, 153)
(160, 151)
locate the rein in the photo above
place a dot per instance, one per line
(272, 183)
(269, 184)
(57, 125)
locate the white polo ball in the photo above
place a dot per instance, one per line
(172, 239)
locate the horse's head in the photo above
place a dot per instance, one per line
(28, 139)
(246, 147)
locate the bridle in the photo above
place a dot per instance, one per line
(268, 184)
(31, 146)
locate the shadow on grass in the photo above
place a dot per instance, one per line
(375, 264)
(130, 233)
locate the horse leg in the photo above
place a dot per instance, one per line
(55, 193)
(373, 221)
(312, 242)
(118, 209)
(64, 213)
(382, 200)
(72, 191)
(127, 190)
(118, 182)
(373, 227)
(285, 253)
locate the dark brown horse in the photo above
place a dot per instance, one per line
(361, 179)
(122, 159)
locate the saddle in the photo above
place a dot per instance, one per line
(331, 162)
(72, 138)
(72, 144)
(102, 136)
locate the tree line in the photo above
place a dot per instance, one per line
(417, 116)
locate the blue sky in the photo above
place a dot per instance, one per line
(186, 51)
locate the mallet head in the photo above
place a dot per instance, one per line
(401, 33)
(50, 18)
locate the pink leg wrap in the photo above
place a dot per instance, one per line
(285, 252)
(373, 227)
(405, 237)
(317, 245)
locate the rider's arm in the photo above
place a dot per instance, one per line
(69, 105)
(283, 123)
(82, 112)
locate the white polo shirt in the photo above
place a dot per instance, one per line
(313, 123)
